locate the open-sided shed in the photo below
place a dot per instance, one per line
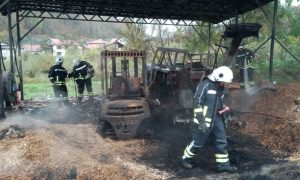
(174, 12)
(213, 11)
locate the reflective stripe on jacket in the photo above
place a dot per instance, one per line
(204, 104)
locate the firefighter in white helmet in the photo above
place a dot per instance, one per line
(57, 76)
(83, 73)
(209, 109)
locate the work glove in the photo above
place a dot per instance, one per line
(202, 127)
(227, 119)
(225, 113)
(224, 110)
(91, 72)
(199, 120)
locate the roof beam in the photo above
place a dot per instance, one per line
(4, 3)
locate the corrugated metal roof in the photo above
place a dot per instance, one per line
(196, 10)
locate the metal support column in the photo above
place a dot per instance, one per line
(209, 43)
(10, 40)
(2, 112)
(105, 75)
(136, 68)
(144, 74)
(19, 54)
(272, 41)
(102, 74)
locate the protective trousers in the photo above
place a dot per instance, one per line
(81, 83)
(217, 129)
(61, 92)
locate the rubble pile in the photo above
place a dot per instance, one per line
(63, 151)
(13, 131)
(269, 117)
(61, 142)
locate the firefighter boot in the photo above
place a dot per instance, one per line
(79, 99)
(67, 103)
(187, 163)
(91, 97)
(226, 167)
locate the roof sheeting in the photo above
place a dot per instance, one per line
(214, 11)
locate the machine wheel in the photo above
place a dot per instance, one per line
(106, 130)
(9, 88)
(145, 129)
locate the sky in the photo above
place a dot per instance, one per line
(296, 3)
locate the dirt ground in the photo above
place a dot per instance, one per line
(62, 142)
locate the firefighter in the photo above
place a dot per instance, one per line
(57, 76)
(83, 73)
(243, 62)
(209, 109)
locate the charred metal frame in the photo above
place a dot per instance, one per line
(113, 54)
(164, 12)
(113, 19)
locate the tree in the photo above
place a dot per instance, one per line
(135, 35)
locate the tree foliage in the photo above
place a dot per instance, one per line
(287, 32)
(62, 29)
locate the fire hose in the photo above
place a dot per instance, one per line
(258, 113)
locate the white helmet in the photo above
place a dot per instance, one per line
(76, 62)
(59, 60)
(221, 74)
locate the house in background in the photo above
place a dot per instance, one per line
(32, 48)
(5, 51)
(59, 48)
(94, 44)
(115, 44)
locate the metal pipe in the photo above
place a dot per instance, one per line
(114, 67)
(2, 112)
(10, 40)
(261, 45)
(3, 4)
(105, 75)
(136, 68)
(272, 42)
(145, 74)
(287, 50)
(209, 42)
(20, 55)
(32, 28)
(102, 74)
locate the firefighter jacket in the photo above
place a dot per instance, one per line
(57, 75)
(208, 98)
(83, 71)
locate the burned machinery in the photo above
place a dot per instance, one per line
(125, 113)
(174, 74)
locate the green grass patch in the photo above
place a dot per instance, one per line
(35, 90)
(283, 71)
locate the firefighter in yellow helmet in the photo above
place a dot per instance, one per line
(209, 109)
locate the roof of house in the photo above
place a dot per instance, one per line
(97, 41)
(54, 41)
(115, 40)
(31, 48)
(58, 42)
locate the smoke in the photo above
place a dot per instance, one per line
(23, 121)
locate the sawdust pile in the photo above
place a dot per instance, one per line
(69, 151)
(269, 116)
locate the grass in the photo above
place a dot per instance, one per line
(44, 89)
(283, 71)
